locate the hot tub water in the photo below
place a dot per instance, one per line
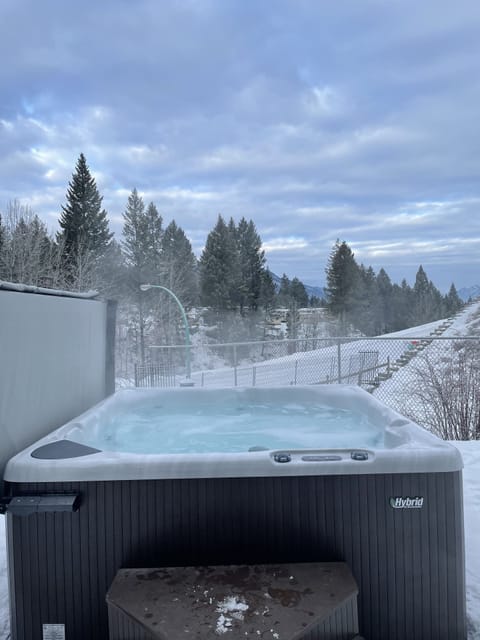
(221, 429)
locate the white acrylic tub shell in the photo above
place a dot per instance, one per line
(407, 447)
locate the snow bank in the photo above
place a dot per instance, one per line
(4, 623)
(471, 496)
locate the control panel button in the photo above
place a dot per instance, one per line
(359, 455)
(282, 457)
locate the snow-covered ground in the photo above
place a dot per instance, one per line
(4, 623)
(471, 456)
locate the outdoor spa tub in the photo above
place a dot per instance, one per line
(186, 477)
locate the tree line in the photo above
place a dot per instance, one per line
(231, 277)
(372, 304)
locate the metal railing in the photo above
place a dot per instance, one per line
(155, 375)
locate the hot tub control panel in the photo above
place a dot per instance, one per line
(356, 455)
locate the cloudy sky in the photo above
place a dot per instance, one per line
(318, 120)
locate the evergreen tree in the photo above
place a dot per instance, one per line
(238, 290)
(267, 290)
(422, 298)
(142, 240)
(218, 262)
(298, 293)
(315, 301)
(134, 227)
(179, 265)
(438, 308)
(153, 237)
(141, 246)
(368, 301)
(428, 304)
(453, 303)
(84, 232)
(114, 274)
(342, 284)
(385, 300)
(402, 305)
(283, 296)
(252, 264)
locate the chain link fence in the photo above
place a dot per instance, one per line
(434, 379)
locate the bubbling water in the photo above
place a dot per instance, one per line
(220, 429)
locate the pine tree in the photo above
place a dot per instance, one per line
(179, 265)
(237, 286)
(428, 304)
(438, 307)
(342, 284)
(218, 275)
(84, 235)
(283, 296)
(385, 300)
(153, 228)
(367, 302)
(453, 303)
(402, 306)
(267, 290)
(142, 240)
(252, 264)
(141, 246)
(421, 290)
(298, 293)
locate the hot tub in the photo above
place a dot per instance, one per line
(187, 477)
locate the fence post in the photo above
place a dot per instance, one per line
(388, 365)
(254, 375)
(235, 356)
(339, 358)
(235, 375)
(296, 370)
(136, 375)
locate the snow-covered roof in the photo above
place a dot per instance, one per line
(26, 288)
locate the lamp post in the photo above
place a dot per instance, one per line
(146, 287)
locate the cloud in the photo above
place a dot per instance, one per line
(317, 120)
(284, 244)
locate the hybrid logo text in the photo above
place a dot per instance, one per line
(406, 503)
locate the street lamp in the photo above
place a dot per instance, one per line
(146, 287)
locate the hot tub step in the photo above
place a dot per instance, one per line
(302, 600)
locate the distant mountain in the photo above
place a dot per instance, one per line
(319, 292)
(469, 292)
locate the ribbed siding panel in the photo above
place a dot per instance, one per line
(122, 628)
(342, 624)
(408, 563)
